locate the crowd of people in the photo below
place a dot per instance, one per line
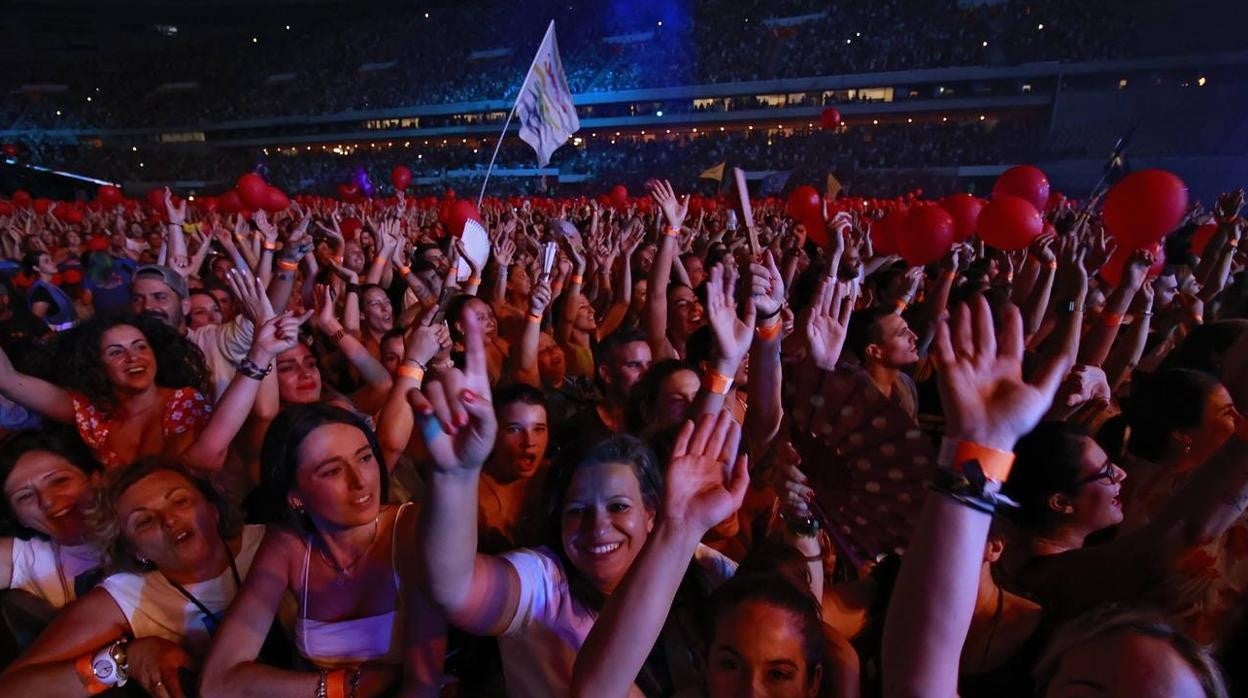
(402, 57)
(626, 448)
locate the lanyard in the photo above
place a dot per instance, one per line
(208, 615)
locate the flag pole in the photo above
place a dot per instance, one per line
(510, 114)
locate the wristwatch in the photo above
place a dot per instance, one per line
(110, 665)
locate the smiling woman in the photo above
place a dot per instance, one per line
(188, 560)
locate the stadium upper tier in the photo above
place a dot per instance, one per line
(386, 58)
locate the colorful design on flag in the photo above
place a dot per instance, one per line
(547, 116)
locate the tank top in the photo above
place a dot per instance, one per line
(351, 641)
(62, 317)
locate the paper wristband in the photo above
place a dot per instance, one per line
(717, 383)
(86, 674)
(416, 373)
(995, 463)
(336, 684)
(769, 332)
(1111, 319)
(671, 231)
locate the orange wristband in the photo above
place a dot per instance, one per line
(576, 279)
(474, 281)
(671, 231)
(769, 332)
(995, 463)
(535, 318)
(336, 684)
(407, 370)
(285, 265)
(86, 674)
(1111, 319)
(717, 382)
(404, 271)
(269, 246)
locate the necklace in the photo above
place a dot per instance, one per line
(344, 571)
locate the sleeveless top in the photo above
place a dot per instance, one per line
(355, 640)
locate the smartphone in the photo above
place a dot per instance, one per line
(444, 300)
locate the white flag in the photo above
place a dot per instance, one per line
(547, 116)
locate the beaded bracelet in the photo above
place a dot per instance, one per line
(249, 368)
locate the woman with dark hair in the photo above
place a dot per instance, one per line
(766, 634)
(47, 301)
(50, 497)
(134, 387)
(1178, 419)
(152, 624)
(541, 602)
(363, 625)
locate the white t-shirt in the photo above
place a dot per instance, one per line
(540, 645)
(154, 607)
(48, 570)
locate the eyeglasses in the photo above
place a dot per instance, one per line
(1108, 473)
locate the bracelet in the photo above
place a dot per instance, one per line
(85, 669)
(574, 279)
(717, 382)
(969, 473)
(899, 305)
(404, 271)
(995, 464)
(1111, 319)
(379, 259)
(535, 318)
(476, 281)
(770, 315)
(355, 681)
(948, 275)
(353, 288)
(336, 684)
(407, 370)
(769, 332)
(321, 691)
(249, 368)
(814, 558)
(268, 246)
(671, 231)
(1051, 265)
(287, 265)
(337, 336)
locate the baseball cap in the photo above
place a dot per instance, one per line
(171, 278)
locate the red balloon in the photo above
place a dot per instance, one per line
(928, 235)
(156, 198)
(109, 195)
(1009, 223)
(805, 205)
(348, 191)
(1025, 181)
(69, 214)
(830, 118)
(350, 228)
(886, 233)
(1144, 207)
(275, 200)
(964, 209)
(253, 190)
(695, 204)
(710, 205)
(400, 177)
(1202, 236)
(6, 208)
(42, 205)
(230, 202)
(208, 203)
(461, 212)
(21, 198)
(619, 196)
(10, 150)
(1112, 271)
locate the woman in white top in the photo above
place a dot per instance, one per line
(363, 627)
(50, 496)
(541, 602)
(188, 564)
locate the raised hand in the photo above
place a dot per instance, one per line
(249, 289)
(277, 334)
(325, 320)
(706, 480)
(1071, 283)
(791, 485)
(1137, 266)
(766, 286)
(1042, 248)
(733, 334)
(426, 339)
(1228, 206)
(505, 252)
(175, 214)
(455, 409)
(674, 208)
(980, 376)
(828, 323)
(539, 299)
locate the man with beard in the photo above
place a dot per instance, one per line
(161, 292)
(884, 343)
